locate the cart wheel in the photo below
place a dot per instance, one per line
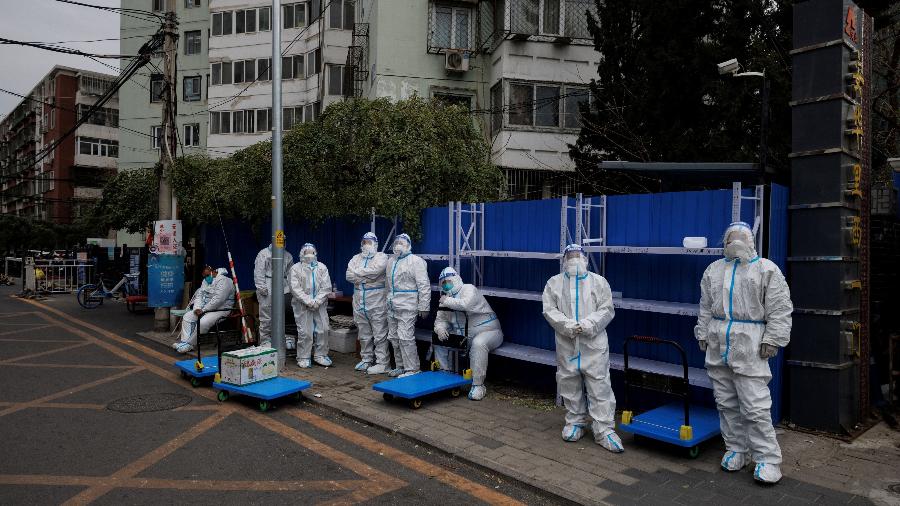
(388, 397)
(415, 403)
(264, 406)
(435, 366)
(298, 396)
(454, 392)
(694, 451)
(195, 382)
(223, 396)
(184, 375)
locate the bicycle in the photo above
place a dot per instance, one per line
(92, 295)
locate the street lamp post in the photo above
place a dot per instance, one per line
(732, 67)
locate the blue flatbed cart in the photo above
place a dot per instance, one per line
(413, 389)
(677, 423)
(265, 391)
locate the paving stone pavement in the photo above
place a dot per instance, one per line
(524, 443)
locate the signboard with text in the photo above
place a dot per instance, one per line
(166, 237)
(165, 280)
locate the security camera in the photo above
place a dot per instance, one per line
(729, 67)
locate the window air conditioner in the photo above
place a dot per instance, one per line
(456, 60)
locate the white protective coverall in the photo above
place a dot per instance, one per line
(215, 300)
(262, 278)
(745, 312)
(485, 334)
(366, 272)
(409, 297)
(310, 285)
(581, 300)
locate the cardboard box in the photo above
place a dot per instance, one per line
(342, 340)
(249, 365)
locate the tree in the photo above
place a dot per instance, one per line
(396, 157)
(658, 96)
(129, 202)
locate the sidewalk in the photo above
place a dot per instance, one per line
(520, 439)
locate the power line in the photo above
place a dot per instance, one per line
(132, 13)
(63, 50)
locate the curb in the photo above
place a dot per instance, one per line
(520, 479)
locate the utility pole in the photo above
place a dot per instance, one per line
(167, 147)
(277, 202)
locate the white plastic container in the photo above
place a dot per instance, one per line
(342, 340)
(694, 242)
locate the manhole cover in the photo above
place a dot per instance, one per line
(894, 489)
(148, 402)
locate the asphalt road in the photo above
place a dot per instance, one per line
(92, 413)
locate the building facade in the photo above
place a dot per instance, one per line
(521, 66)
(315, 37)
(58, 186)
(141, 97)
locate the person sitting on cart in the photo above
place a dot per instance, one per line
(460, 303)
(745, 317)
(212, 302)
(578, 305)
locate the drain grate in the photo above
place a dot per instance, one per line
(894, 489)
(147, 403)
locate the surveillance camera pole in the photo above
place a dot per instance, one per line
(277, 293)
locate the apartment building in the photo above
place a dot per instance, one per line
(521, 66)
(314, 40)
(142, 96)
(60, 185)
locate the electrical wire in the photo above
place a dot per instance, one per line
(63, 50)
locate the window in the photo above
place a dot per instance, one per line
(497, 108)
(192, 92)
(576, 18)
(102, 116)
(245, 21)
(265, 19)
(192, 134)
(156, 137)
(221, 73)
(98, 147)
(311, 111)
(250, 122)
(524, 16)
(313, 62)
(53, 119)
(336, 80)
(520, 104)
(575, 97)
(451, 27)
(157, 87)
(342, 14)
(88, 85)
(161, 5)
(263, 70)
(238, 72)
(192, 42)
(546, 106)
(291, 116)
(263, 120)
(237, 122)
(450, 99)
(315, 10)
(191, 4)
(294, 15)
(220, 122)
(249, 71)
(550, 17)
(216, 28)
(292, 67)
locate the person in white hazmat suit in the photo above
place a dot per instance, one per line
(462, 301)
(578, 305)
(212, 302)
(745, 316)
(366, 272)
(310, 286)
(409, 297)
(262, 278)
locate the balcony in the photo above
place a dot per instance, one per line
(552, 21)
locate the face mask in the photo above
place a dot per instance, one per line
(209, 278)
(447, 286)
(575, 266)
(309, 258)
(401, 249)
(738, 249)
(368, 249)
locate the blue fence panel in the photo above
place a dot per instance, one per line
(531, 225)
(778, 250)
